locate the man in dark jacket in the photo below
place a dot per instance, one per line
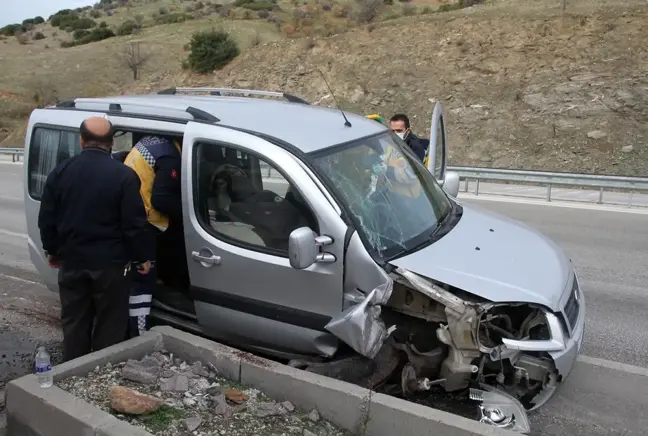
(400, 124)
(93, 224)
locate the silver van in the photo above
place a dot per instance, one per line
(317, 236)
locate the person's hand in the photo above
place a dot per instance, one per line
(144, 268)
(53, 261)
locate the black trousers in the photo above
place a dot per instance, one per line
(94, 309)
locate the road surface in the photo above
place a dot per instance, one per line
(607, 392)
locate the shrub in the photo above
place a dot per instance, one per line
(260, 6)
(39, 20)
(366, 11)
(12, 29)
(103, 25)
(127, 28)
(211, 50)
(288, 29)
(340, 11)
(426, 10)
(173, 18)
(95, 13)
(163, 11)
(93, 35)
(78, 34)
(38, 35)
(450, 7)
(263, 14)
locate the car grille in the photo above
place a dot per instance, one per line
(573, 306)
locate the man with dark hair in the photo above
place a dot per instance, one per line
(400, 124)
(93, 224)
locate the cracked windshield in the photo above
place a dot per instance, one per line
(395, 201)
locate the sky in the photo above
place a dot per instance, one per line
(15, 11)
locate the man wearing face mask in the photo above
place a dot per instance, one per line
(400, 125)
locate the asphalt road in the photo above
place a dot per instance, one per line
(607, 392)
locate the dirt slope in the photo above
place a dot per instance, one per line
(523, 86)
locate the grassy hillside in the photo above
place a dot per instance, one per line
(524, 83)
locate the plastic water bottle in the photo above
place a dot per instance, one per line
(44, 368)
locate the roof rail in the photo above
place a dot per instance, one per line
(220, 91)
(116, 108)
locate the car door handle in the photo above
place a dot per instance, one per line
(206, 260)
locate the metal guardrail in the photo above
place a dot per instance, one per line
(552, 179)
(15, 153)
(544, 178)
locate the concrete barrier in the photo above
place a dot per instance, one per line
(32, 411)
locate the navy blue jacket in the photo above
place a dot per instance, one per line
(92, 215)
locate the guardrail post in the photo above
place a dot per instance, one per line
(600, 200)
(549, 192)
(630, 199)
(477, 188)
(466, 184)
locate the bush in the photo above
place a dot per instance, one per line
(340, 11)
(450, 7)
(12, 29)
(263, 14)
(261, 5)
(127, 28)
(38, 35)
(211, 50)
(173, 18)
(366, 11)
(39, 20)
(78, 34)
(93, 35)
(103, 25)
(95, 13)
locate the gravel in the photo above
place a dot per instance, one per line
(182, 398)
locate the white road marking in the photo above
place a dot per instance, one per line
(610, 364)
(556, 203)
(14, 234)
(6, 162)
(19, 279)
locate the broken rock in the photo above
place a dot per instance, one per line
(131, 402)
(193, 422)
(269, 409)
(221, 406)
(177, 383)
(288, 406)
(199, 370)
(145, 371)
(314, 416)
(596, 134)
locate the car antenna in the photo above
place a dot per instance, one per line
(346, 120)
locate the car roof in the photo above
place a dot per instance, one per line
(307, 127)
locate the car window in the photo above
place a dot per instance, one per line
(123, 142)
(243, 199)
(49, 147)
(395, 202)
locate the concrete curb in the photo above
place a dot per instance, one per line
(32, 411)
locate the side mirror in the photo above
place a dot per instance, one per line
(303, 248)
(451, 183)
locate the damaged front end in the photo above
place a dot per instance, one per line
(439, 340)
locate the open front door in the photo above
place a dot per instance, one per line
(244, 197)
(436, 159)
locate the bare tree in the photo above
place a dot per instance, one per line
(134, 58)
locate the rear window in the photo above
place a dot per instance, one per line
(49, 147)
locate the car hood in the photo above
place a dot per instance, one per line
(496, 258)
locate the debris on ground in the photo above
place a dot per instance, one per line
(170, 397)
